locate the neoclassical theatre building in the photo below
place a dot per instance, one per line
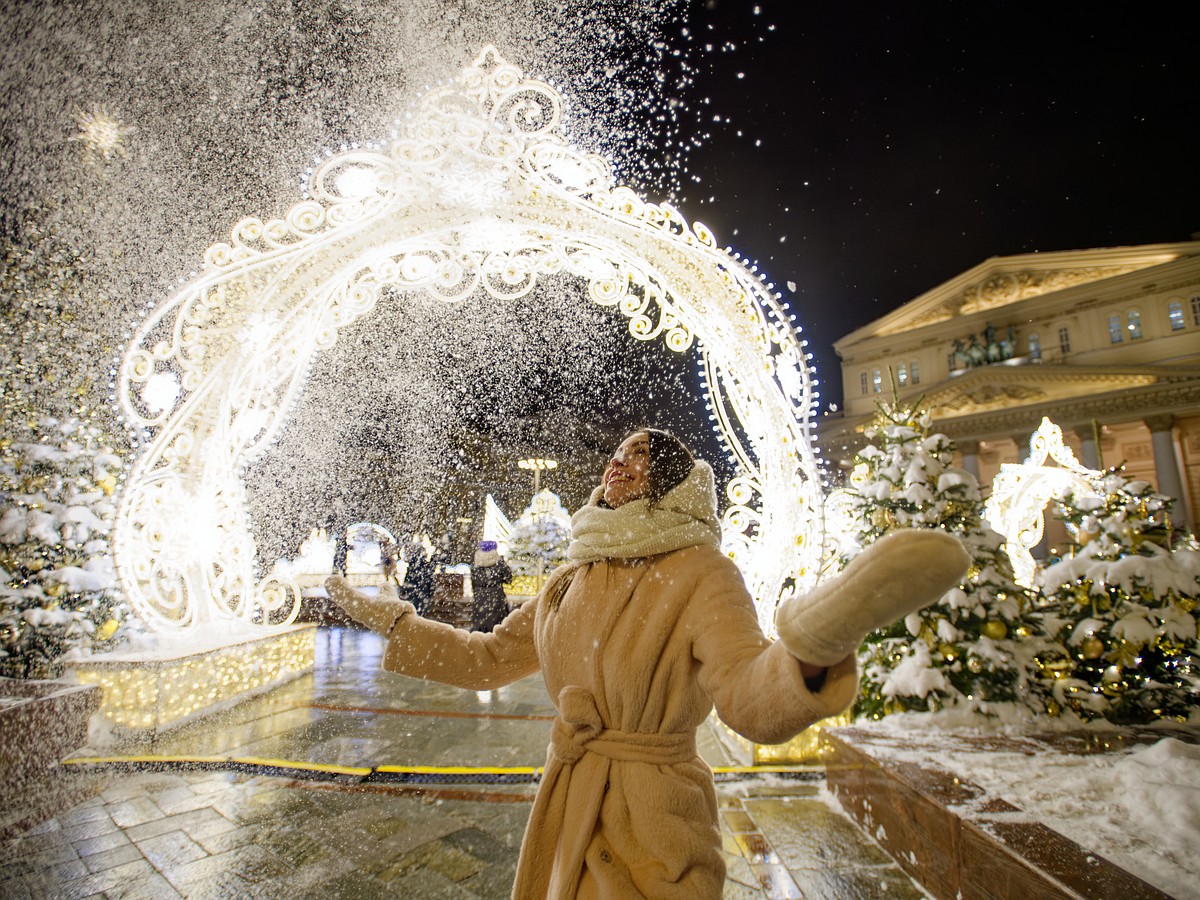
(1105, 343)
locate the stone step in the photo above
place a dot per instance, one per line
(956, 842)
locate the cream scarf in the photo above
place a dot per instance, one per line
(685, 517)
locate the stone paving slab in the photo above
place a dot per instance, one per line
(216, 834)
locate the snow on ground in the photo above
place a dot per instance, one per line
(1137, 805)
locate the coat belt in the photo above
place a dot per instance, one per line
(579, 730)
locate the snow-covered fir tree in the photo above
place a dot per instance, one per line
(971, 648)
(541, 539)
(1124, 608)
(58, 597)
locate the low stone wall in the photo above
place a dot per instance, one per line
(915, 812)
(41, 722)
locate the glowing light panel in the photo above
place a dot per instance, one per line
(1020, 492)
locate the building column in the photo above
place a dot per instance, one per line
(970, 456)
(1166, 468)
(1089, 452)
(1022, 442)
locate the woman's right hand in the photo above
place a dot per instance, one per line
(380, 614)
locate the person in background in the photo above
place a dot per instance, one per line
(418, 580)
(441, 554)
(489, 574)
(638, 637)
(336, 529)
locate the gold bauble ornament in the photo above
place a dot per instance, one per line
(1053, 708)
(1092, 648)
(948, 651)
(1057, 666)
(995, 629)
(975, 665)
(107, 630)
(1022, 631)
(1127, 654)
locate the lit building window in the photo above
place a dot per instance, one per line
(1175, 316)
(914, 373)
(1114, 329)
(877, 381)
(862, 381)
(902, 375)
(1064, 340)
(1035, 347)
(1196, 310)
(1135, 325)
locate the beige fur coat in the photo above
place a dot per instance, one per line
(635, 656)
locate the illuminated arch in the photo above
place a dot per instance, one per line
(1020, 492)
(478, 190)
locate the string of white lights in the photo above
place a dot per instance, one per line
(476, 190)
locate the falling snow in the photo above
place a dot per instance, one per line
(137, 135)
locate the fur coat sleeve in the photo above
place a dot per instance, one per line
(754, 683)
(477, 661)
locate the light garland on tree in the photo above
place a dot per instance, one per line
(970, 648)
(1123, 608)
(477, 190)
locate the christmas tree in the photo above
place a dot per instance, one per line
(1123, 609)
(538, 540)
(58, 596)
(972, 647)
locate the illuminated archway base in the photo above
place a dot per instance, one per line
(477, 191)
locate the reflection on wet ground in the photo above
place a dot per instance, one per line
(257, 831)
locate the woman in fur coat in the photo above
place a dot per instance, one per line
(644, 631)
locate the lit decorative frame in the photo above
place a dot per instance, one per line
(477, 190)
(1020, 492)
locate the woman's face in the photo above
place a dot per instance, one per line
(627, 475)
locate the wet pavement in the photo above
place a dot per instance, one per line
(174, 818)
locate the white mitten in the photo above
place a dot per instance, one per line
(898, 574)
(380, 614)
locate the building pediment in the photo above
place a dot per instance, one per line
(1005, 387)
(1003, 280)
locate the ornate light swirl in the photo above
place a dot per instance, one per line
(479, 191)
(1020, 493)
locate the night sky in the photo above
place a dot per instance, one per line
(903, 144)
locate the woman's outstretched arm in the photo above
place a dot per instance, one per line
(423, 648)
(759, 689)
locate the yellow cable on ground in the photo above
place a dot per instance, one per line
(459, 770)
(365, 771)
(134, 760)
(218, 760)
(301, 766)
